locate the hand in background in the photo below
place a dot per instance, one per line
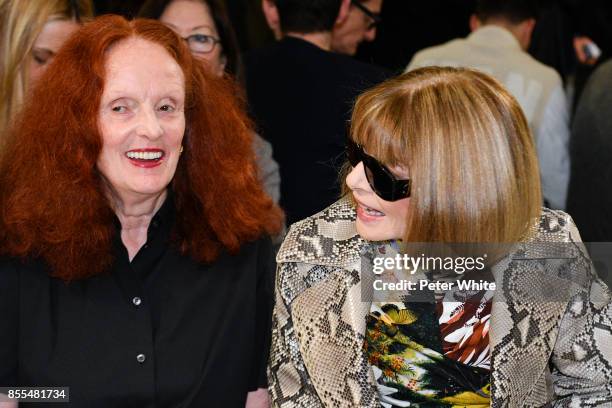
(586, 50)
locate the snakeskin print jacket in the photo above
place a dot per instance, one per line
(551, 338)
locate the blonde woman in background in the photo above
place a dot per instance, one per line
(31, 33)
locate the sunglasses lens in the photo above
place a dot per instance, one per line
(379, 180)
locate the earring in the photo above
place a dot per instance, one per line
(181, 151)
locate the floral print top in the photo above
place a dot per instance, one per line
(431, 353)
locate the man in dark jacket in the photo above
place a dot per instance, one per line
(301, 96)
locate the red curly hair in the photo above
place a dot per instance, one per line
(52, 200)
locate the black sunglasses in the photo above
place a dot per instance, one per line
(380, 178)
(376, 19)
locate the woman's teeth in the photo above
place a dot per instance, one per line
(144, 155)
(371, 211)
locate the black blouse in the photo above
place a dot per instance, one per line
(160, 331)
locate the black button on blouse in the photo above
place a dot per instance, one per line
(160, 331)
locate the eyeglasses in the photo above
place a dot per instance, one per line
(376, 19)
(201, 43)
(380, 178)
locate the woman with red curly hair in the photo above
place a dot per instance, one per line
(137, 268)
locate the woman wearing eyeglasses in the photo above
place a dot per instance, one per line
(204, 25)
(439, 155)
(206, 28)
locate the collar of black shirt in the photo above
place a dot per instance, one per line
(158, 237)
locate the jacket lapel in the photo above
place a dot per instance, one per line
(329, 316)
(329, 321)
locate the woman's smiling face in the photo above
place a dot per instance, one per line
(141, 118)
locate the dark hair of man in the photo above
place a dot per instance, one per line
(514, 11)
(307, 16)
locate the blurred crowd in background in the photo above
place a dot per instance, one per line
(409, 26)
(572, 37)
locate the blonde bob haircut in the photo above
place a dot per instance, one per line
(467, 148)
(20, 23)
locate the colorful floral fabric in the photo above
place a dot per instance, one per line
(414, 367)
(431, 354)
(464, 330)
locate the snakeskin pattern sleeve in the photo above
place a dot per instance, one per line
(582, 357)
(583, 354)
